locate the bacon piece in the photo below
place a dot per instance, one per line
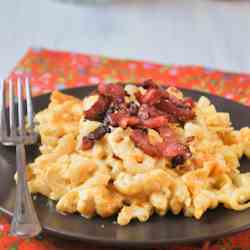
(122, 115)
(151, 97)
(119, 119)
(133, 108)
(114, 118)
(98, 133)
(145, 112)
(179, 112)
(186, 103)
(129, 121)
(87, 143)
(115, 113)
(189, 102)
(155, 122)
(177, 109)
(178, 160)
(112, 90)
(138, 96)
(190, 139)
(141, 140)
(149, 84)
(170, 148)
(98, 109)
(153, 94)
(89, 140)
(122, 120)
(167, 134)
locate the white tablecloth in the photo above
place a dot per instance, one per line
(212, 33)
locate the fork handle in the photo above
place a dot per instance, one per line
(24, 222)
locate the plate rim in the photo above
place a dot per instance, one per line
(139, 244)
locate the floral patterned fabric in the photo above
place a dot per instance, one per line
(49, 70)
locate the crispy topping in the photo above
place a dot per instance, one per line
(149, 84)
(89, 140)
(156, 110)
(141, 140)
(87, 143)
(177, 160)
(116, 91)
(170, 148)
(98, 133)
(151, 97)
(155, 122)
(98, 109)
(133, 108)
(180, 112)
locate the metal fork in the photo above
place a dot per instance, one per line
(15, 133)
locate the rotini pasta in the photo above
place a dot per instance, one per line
(116, 176)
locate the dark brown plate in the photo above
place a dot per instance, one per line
(158, 230)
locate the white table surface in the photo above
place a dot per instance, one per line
(215, 33)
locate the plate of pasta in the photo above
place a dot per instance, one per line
(136, 164)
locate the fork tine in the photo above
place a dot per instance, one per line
(20, 107)
(3, 126)
(29, 105)
(11, 109)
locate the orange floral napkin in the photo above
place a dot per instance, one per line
(49, 70)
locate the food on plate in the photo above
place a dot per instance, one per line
(139, 149)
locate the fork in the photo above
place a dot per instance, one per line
(25, 222)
